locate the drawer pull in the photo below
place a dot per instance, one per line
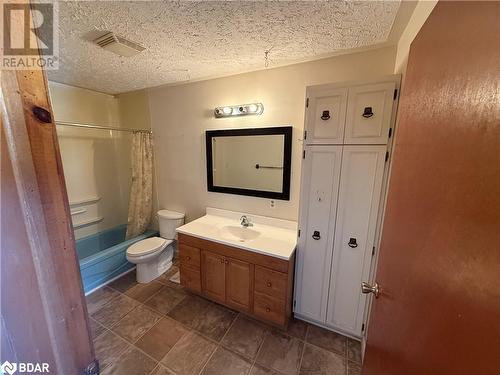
(268, 309)
(221, 260)
(226, 261)
(269, 284)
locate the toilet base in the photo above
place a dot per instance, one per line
(148, 271)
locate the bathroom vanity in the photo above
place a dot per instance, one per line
(249, 269)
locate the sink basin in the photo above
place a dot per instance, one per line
(241, 234)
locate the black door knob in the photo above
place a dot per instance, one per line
(352, 242)
(325, 115)
(316, 235)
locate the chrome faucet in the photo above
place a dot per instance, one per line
(245, 222)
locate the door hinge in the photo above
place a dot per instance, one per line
(373, 251)
(395, 94)
(305, 135)
(390, 132)
(294, 303)
(303, 154)
(298, 233)
(307, 103)
(362, 327)
(91, 369)
(387, 156)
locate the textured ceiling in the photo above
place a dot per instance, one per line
(193, 40)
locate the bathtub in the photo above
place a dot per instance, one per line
(102, 256)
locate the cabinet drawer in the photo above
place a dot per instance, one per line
(272, 283)
(269, 308)
(190, 279)
(189, 256)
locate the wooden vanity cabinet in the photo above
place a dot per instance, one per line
(253, 283)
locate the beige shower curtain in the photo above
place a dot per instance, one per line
(141, 192)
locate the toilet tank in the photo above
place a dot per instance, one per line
(168, 221)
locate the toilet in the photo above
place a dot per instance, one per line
(154, 255)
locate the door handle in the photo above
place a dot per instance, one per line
(367, 288)
(352, 242)
(325, 115)
(316, 236)
(367, 112)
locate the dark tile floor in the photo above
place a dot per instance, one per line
(160, 329)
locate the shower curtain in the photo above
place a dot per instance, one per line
(141, 192)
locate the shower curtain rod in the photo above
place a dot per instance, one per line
(89, 126)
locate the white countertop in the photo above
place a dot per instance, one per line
(273, 237)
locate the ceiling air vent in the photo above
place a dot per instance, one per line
(118, 45)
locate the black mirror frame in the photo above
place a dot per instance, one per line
(286, 131)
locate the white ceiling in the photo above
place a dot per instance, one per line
(194, 40)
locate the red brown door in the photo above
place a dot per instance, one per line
(439, 266)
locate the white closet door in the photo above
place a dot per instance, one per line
(320, 183)
(325, 115)
(369, 113)
(359, 199)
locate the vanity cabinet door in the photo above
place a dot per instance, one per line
(325, 115)
(239, 284)
(369, 113)
(213, 270)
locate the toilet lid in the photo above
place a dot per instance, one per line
(147, 246)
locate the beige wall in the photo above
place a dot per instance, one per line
(422, 10)
(96, 162)
(181, 114)
(74, 104)
(133, 110)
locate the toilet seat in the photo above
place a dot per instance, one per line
(147, 246)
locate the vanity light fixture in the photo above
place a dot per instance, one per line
(239, 110)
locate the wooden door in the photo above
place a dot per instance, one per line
(44, 315)
(213, 269)
(325, 114)
(357, 212)
(239, 284)
(439, 267)
(320, 182)
(369, 113)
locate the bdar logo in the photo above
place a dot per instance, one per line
(8, 368)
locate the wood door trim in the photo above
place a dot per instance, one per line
(37, 169)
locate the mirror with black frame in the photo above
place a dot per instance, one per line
(254, 162)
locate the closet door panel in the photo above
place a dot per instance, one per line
(325, 115)
(320, 182)
(359, 199)
(369, 113)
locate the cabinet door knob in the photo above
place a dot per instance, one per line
(269, 284)
(268, 309)
(188, 257)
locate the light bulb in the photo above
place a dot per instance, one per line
(227, 110)
(252, 108)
